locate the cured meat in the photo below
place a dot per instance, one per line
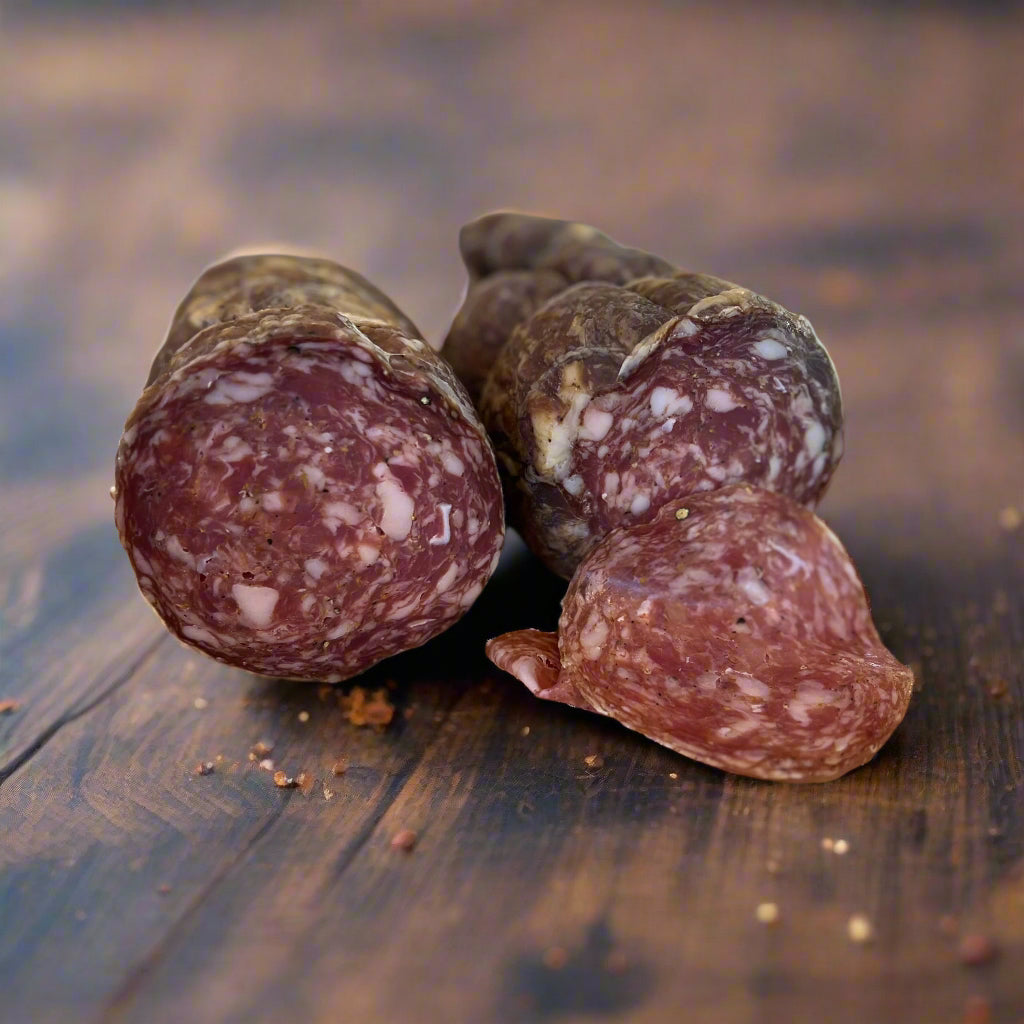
(732, 628)
(304, 487)
(634, 385)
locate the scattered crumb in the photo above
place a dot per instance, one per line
(828, 844)
(163, 889)
(80, 915)
(555, 958)
(8, 707)
(219, 758)
(594, 761)
(673, 775)
(772, 866)
(977, 1010)
(267, 765)
(305, 781)
(303, 716)
(204, 768)
(328, 793)
(976, 949)
(948, 925)
(616, 962)
(1010, 518)
(283, 781)
(682, 513)
(997, 689)
(323, 692)
(859, 929)
(403, 839)
(525, 731)
(363, 709)
(260, 750)
(340, 766)
(200, 702)
(409, 712)
(840, 847)
(767, 913)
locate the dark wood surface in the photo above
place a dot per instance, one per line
(864, 167)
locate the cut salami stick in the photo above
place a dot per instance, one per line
(304, 488)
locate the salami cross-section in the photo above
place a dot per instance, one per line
(731, 627)
(304, 487)
(611, 382)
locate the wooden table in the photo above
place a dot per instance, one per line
(864, 168)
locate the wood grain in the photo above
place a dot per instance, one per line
(861, 165)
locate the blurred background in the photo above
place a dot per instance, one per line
(862, 163)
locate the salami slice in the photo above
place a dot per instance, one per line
(635, 385)
(732, 628)
(304, 487)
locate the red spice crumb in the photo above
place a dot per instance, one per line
(283, 781)
(8, 707)
(323, 692)
(593, 761)
(977, 949)
(163, 889)
(340, 766)
(305, 782)
(261, 749)
(555, 958)
(977, 1010)
(361, 709)
(204, 768)
(403, 839)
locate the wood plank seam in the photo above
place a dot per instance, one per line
(74, 714)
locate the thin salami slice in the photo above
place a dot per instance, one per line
(634, 385)
(732, 628)
(304, 489)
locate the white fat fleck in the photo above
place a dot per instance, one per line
(525, 670)
(342, 629)
(668, 425)
(453, 463)
(239, 386)
(640, 504)
(128, 437)
(810, 694)
(603, 451)
(596, 424)
(316, 567)
(291, 430)
(471, 595)
(645, 608)
(720, 400)
(396, 520)
(573, 484)
(307, 602)
(313, 476)
(611, 484)
(272, 501)
(368, 553)
(770, 348)
(814, 438)
(255, 603)
(593, 636)
(774, 467)
(451, 575)
(200, 635)
(178, 553)
(338, 512)
(234, 449)
(446, 528)
(687, 326)
(747, 580)
(668, 402)
(750, 686)
(246, 505)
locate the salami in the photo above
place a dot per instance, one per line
(634, 385)
(304, 487)
(732, 628)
